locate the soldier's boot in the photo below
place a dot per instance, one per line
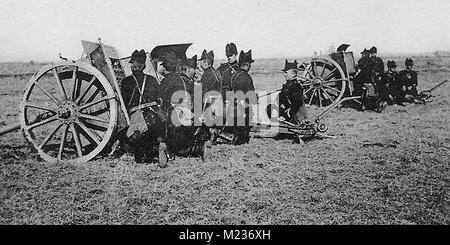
(207, 151)
(162, 155)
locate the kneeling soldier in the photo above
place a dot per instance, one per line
(291, 98)
(140, 95)
(408, 78)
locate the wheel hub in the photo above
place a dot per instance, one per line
(67, 112)
(317, 83)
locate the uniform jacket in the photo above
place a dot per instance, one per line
(242, 81)
(408, 78)
(130, 90)
(291, 96)
(172, 83)
(389, 84)
(226, 71)
(377, 65)
(211, 80)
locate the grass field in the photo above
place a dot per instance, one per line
(383, 168)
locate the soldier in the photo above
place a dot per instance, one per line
(408, 78)
(376, 64)
(364, 73)
(211, 83)
(140, 94)
(242, 82)
(291, 95)
(228, 69)
(176, 91)
(390, 88)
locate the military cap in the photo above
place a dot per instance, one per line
(391, 64)
(290, 65)
(373, 50)
(230, 49)
(207, 55)
(409, 62)
(192, 62)
(138, 56)
(365, 51)
(245, 57)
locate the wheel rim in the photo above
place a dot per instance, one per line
(323, 82)
(68, 112)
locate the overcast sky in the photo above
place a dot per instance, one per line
(39, 29)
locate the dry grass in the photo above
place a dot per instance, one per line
(384, 168)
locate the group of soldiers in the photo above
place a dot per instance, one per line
(391, 87)
(162, 108)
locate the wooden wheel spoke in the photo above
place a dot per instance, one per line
(48, 120)
(59, 83)
(312, 96)
(324, 66)
(327, 95)
(329, 74)
(89, 133)
(98, 119)
(28, 104)
(95, 102)
(53, 98)
(309, 72)
(76, 137)
(318, 96)
(76, 84)
(91, 83)
(49, 136)
(334, 80)
(332, 89)
(308, 90)
(63, 140)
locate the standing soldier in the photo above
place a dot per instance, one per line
(408, 78)
(140, 95)
(242, 82)
(211, 83)
(376, 64)
(364, 72)
(228, 69)
(291, 101)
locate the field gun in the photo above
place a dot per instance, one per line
(426, 94)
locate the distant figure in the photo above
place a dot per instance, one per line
(408, 78)
(291, 101)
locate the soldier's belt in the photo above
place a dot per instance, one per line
(142, 106)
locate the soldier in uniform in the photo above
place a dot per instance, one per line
(241, 81)
(291, 95)
(211, 83)
(228, 69)
(176, 91)
(364, 72)
(408, 78)
(376, 64)
(390, 88)
(140, 93)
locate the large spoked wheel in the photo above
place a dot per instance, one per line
(323, 81)
(68, 112)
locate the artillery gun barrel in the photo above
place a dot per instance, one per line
(9, 129)
(435, 87)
